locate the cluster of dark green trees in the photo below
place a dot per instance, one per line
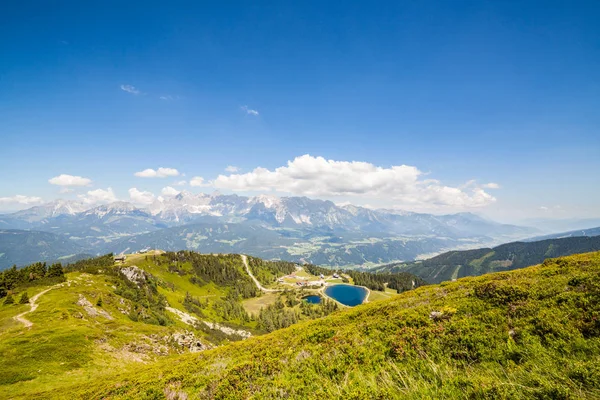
(316, 270)
(230, 308)
(268, 271)
(223, 270)
(147, 305)
(312, 311)
(96, 265)
(400, 281)
(277, 316)
(195, 305)
(283, 312)
(31, 275)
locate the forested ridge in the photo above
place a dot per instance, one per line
(515, 255)
(400, 281)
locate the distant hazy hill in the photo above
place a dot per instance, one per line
(24, 247)
(458, 264)
(575, 233)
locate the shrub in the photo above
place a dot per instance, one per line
(499, 293)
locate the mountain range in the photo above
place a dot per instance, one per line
(289, 228)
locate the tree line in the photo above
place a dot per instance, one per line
(268, 271)
(400, 281)
(284, 312)
(316, 270)
(38, 273)
(223, 269)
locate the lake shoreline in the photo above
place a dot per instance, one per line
(365, 299)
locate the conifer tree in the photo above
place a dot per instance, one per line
(9, 300)
(24, 298)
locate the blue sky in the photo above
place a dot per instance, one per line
(493, 92)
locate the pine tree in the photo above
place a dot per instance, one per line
(99, 301)
(9, 300)
(55, 270)
(24, 298)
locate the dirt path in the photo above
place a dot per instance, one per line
(191, 320)
(258, 285)
(33, 306)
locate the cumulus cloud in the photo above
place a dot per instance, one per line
(159, 173)
(20, 199)
(231, 168)
(169, 191)
(316, 176)
(180, 183)
(491, 185)
(130, 89)
(70, 180)
(98, 196)
(197, 181)
(140, 197)
(249, 111)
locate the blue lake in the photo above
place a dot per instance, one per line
(313, 299)
(347, 294)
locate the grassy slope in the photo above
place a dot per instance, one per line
(530, 333)
(65, 344)
(181, 284)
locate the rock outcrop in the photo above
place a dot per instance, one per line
(90, 309)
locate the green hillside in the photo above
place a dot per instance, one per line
(530, 333)
(66, 324)
(458, 264)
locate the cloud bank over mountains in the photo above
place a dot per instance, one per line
(396, 186)
(317, 177)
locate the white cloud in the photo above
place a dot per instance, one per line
(180, 183)
(318, 177)
(169, 191)
(169, 97)
(140, 197)
(491, 185)
(555, 208)
(66, 190)
(70, 180)
(130, 89)
(231, 168)
(159, 173)
(249, 111)
(197, 181)
(98, 196)
(20, 199)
